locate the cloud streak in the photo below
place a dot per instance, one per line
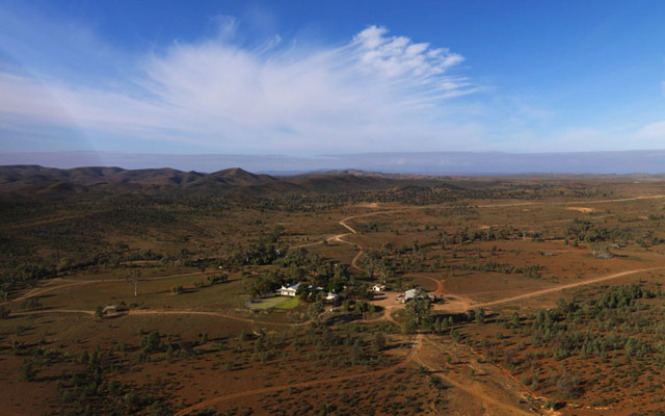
(374, 92)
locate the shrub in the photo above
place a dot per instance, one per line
(32, 303)
(152, 342)
(379, 341)
(28, 370)
(570, 386)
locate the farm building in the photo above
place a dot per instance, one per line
(378, 288)
(412, 294)
(289, 290)
(331, 297)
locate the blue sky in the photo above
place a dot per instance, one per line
(305, 78)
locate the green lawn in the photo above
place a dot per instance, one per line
(277, 302)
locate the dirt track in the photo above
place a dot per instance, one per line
(416, 355)
(354, 263)
(148, 312)
(161, 312)
(464, 304)
(47, 311)
(50, 288)
(470, 386)
(567, 286)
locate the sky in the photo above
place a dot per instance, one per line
(315, 78)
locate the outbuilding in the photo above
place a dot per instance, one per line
(331, 297)
(378, 288)
(413, 294)
(290, 290)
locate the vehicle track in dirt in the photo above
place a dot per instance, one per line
(49, 287)
(344, 222)
(559, 288)
(472, 388)
(439, 291)
(50, 311)
(413, 356)
(164, 312)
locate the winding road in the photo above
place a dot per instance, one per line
(415, 355)
(341, 238)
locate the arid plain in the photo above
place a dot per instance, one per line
(161, 292)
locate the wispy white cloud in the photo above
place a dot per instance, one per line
(655, 130)
(376, 92)
(232, 91)
(651, 134)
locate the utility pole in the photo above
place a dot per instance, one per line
(134, 278)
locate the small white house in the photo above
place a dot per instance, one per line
(378, 288)
(413, 294)
(331, 297)
(290, 290)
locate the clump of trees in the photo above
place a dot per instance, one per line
(623, 296)
(417, 315)
(570, 386)
(615, 327)
(532, 271)
(265, 250)
(555, 327)
(468, 235)
(586, 231)
(89, 391)
(217, 279)
(300, 266)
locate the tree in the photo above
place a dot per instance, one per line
(152, 342)
(408, 326)
(99, 312)
(32, 303)
(570, 386)
(265, 284)
(218, 278)
(315, 309)
(379, 341)
(357, 353)
(276, 233)
(419, 311)
(480, 316)
(28, 370)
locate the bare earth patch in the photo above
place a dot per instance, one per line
(583, 210)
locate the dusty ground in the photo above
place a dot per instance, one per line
(226, 375)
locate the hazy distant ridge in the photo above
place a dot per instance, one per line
(435, 163)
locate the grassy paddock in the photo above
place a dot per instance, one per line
(277, 302)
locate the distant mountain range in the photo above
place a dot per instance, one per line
(432, 163)
(35, 180)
